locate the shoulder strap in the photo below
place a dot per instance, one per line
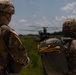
(2, 43)
(69, 44)
(2, 46)
(65, 40)
(3, 54)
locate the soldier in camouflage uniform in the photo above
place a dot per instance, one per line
(69, 30)
(64, 62)
(12, 52)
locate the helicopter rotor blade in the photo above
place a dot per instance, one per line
(54, 28)
(39, 27)
(26, 30)
(29, 30)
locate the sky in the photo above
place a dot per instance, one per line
(44, 13)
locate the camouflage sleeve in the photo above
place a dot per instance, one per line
(17, 50)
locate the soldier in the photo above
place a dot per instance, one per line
(69, 30)
(13, 55)
(58, 55)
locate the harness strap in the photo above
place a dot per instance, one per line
(3, 56)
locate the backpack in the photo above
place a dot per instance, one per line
(54, 53)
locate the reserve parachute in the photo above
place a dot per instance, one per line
(53, 54)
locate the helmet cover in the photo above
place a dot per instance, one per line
(6, 6)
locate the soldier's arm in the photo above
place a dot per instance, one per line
(17, 50)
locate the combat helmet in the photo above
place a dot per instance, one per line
(6, 6)
(69, 27)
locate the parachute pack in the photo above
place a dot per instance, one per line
(55, 53)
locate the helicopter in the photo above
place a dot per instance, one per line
(42, 32)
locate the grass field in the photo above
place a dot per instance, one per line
(35, 66)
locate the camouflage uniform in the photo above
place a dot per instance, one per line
(16, 51)
(12, 51)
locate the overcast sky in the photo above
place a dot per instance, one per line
(51, 13)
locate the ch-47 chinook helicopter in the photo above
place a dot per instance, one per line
(42, 32)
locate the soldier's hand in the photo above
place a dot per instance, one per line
(28, 61)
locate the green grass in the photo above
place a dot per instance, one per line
(35, 66)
